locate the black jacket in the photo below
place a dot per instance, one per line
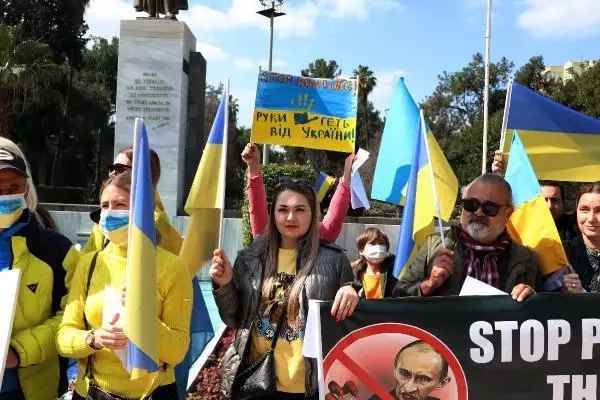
(578, 258)
(389, 280)
(239, 303)
(567, 228)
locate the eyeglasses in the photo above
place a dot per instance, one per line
(489, 208)
(289, 179)
(118, 168)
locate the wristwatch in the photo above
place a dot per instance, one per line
(90, 340)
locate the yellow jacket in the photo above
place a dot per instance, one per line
(170, 239)
(47, 261)
(174, 309)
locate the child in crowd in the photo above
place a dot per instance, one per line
(373, 275)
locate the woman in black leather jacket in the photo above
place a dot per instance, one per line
(279, 273)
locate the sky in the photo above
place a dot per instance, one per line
(417, 39)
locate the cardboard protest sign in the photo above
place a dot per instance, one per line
(305, 112)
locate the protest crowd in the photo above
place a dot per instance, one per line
(122, 308)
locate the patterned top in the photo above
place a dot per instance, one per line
(288, 358)
(594, 258)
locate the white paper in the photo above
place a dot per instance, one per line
(358, 196)
(9, 287)
(474, 287)
(312, 336)
(359, 159)
(113, 305)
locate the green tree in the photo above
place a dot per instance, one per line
(532, 76)
(322, 69)
(58, 23)
(366, 83)
(458, 99)
(25, 70)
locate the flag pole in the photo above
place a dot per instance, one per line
(486, 89)
(506, 114)
(224, 164)
(436, 199)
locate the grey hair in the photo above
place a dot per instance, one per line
(490, 178)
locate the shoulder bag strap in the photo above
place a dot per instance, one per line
(88, 368)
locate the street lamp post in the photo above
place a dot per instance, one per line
(271, 10)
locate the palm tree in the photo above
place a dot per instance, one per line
(366, 84)
(322, 69)
(26, 67)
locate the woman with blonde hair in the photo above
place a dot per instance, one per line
(90, 337)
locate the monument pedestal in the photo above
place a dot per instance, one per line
(152, 84)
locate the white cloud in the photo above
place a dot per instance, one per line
(244, 63)
(386, 81)
(211, 52)
(561, 18)
(103, 16)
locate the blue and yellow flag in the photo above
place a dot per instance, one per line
(323, 184)
(140, 303)
(204, 205)
(531, 223)
(562, 144)
(205, 201)
(420, 208)
(396, 150)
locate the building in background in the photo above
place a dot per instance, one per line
(565, 72)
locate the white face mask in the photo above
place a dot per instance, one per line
(11, 209)
(375, 253)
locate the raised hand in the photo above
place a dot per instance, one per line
(251, 156)
(221, 271)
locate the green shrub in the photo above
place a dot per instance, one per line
(271, 175)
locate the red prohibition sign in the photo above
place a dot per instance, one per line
(338, 353)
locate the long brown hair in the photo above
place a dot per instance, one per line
(307, 250)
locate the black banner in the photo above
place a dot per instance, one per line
(457, 348)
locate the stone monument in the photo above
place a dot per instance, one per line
(153, 84)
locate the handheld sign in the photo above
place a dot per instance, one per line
(305, 112)
(9, 285)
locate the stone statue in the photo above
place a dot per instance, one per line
(156, 7)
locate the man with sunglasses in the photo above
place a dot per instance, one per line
(479, 247)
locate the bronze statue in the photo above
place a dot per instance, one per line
(156, 7)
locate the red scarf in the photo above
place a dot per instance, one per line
(482, 260)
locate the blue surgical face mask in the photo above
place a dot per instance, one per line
(115, 225)
(11, 209)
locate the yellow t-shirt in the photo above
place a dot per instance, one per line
(289, 361)
(372, 286)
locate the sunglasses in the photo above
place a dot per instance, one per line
(118, 168)
(489, 208)
(289, 179)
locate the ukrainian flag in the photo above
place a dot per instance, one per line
(420, 208)
(562, 144)
(531, 223)
(206, 198)
(323, 184)
(396, 150)
(140, 303)
(204, 205)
